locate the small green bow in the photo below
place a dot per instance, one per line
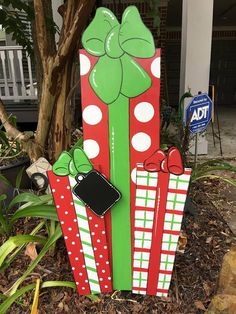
(72, 165)
(116, 72)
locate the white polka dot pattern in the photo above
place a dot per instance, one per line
(141, 142)
(92, 115)
(72, 241)
(84, 64)
(144, 112)
(91, 148)
(156, 67)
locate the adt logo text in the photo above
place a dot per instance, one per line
(200, 111)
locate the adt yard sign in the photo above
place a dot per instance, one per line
(200, 110)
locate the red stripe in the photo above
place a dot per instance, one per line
(154, 265)
(177, 191)
(142, 229)
(146, 188)
(175, 212)
(151, 128)
(165, 272)
(69, 226)
(171, 232)
(139, 288)
(140, 269)
(168, 252)
(162, 290)
(144, 208)
(188, 171)
(141, 250)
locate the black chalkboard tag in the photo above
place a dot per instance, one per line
(96, 192)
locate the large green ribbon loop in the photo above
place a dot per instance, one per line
(68, 164)
(115, 43)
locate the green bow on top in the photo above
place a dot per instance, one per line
(68, 164)
(117, 72)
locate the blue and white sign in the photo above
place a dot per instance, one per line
(200, 111)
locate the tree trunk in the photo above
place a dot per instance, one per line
(55, 119)
(53, 132)
(60, 129)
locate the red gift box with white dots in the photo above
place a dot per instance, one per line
(144, 120)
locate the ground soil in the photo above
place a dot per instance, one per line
(194, 281)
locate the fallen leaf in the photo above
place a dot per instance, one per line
(31, 251)
(182, 242)
(61, 305)
(207, 288)
(199, 305)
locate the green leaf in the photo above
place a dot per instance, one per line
(106, 78)
(41, 211)
(10, 300)
(212, 176)
(24, 198)
(16, 252)
(13, 242)
(3, 138)
(4, 180)
(135, 38)
(34, 263)
(51, 284)
(93, 38)
(93, 297)
(61, 166)
(3, 197)
(112, 45)
(133, 71)
(19, 177)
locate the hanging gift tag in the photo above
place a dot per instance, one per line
(96, 192)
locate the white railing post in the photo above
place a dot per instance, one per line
(16, 79)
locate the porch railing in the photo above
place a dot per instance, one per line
(17, 77)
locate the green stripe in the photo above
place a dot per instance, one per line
(87, 243)
(84, 230)
(82, 217)
(92, 269)
(77, 202)
(94, 281)
(95, 292)
(118, 113)
(89, 256)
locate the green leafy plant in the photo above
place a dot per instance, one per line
(206, 171)
(32, 205)
(8, 301)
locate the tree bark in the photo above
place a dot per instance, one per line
(54, 123)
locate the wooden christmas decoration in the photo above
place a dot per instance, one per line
(120, 200)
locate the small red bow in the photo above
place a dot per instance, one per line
(159, 161)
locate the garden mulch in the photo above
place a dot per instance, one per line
(194, 281)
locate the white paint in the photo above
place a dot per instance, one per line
(91, 148)
(92, 115)
(156, 67)
(133, 175)
(144, 112)
(84, 64)
(141, 142)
